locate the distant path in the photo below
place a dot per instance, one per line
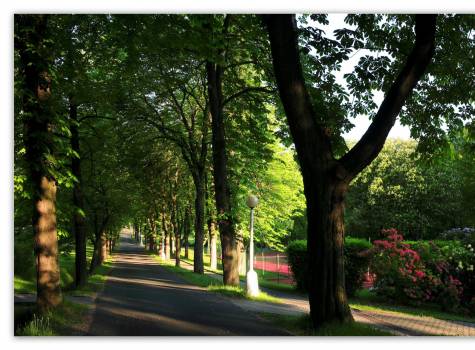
(142, 298)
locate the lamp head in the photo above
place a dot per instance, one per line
(252, 201)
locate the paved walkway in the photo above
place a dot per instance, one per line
(394, 322)
(142, 298)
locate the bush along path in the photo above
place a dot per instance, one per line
(143, 298)
(397, 323)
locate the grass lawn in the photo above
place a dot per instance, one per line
(60, 320)
(301, 325)
(213, 284)
(27, 283)
(366, 300)
(56, 322)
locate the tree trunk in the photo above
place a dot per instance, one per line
(176, 230)
(165, 238)
(78, 202)
(325, 242)
(39, 144)
(198, 266)
(103, 248)
(220, 176)
(187, 231)
(212, 244)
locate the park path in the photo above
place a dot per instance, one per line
(142, 298)
(294, 304)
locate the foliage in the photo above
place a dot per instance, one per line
(356, 262)
(399, 190)
(421, 272)
(297, 257)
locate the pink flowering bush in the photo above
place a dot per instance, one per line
(401, 273)
(399, 270)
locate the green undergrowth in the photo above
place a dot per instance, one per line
(58, 321)
(302, 325)
(61, 320)
(213, 284)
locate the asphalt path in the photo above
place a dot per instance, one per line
(141, 298)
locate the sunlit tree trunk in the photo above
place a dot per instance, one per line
(34, 64)
(220, 176)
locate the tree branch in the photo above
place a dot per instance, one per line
(373, 140)
(247, 90)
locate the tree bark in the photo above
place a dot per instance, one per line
(39, 144)
(220, 176)
(325, 178)
(187, 231)
(212, 244)
(198, 266)
(78, 202)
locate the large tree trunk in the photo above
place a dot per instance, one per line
(220, 176)
(326, 178)
(39, 144)
(78, 202)
(325, 240)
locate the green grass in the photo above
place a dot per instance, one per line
(264, 277)
(213, 284)
(366, 300)
(61, 320)
(27, 283)
(189, 276)
(55, 322)
(301, 325)
(241, 293)
(23, 285)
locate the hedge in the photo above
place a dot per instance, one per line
(356, 264)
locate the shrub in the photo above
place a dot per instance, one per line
(453, 263)
(297, 257)
(416, 272)
(356, 263)
(398, 269)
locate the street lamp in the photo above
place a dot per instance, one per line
(251, 276)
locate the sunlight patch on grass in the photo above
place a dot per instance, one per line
(239, 292)
(22, 285)
(213, 284)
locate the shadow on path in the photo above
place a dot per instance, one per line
(142, 298)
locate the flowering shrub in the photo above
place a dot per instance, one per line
(452, 262)
(400, 273)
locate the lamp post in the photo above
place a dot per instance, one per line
(251, 276)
